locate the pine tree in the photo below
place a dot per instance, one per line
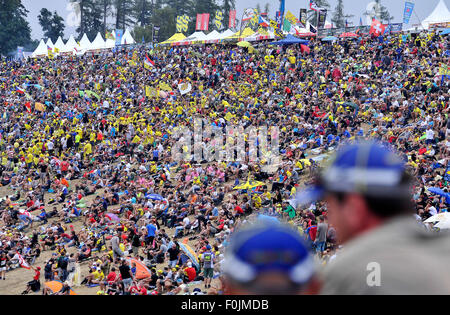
(14, 29)
(52, 24)
(339, 17)
(165, 17)
(267, 8)
(142, 11)
(226, 7)
(105, 6)
(123, 14)
(380, 12)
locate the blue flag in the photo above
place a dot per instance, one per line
(409, 7)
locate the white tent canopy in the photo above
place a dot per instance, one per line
(49, 43)
(98, 43)
(127, 39)
(213, 35)
(59, 44)
(85, 43)
(40, 50)
(70, 45)
(440, 14)
(195, 37)
(226, 34)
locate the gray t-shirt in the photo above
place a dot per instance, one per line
(322, 229)
(398, 257)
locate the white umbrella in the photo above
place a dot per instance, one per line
(440, 217)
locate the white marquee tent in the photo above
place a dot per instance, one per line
(59, 44)
(97, 43)
(85, 43)
(127, 39)
(40, 50)
(440, 14)
(49, 43)
(70, 45)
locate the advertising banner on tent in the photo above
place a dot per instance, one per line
(302, 17)
(232, 19)
(396, 27)
(119, 35)
(409, 7)
(322, 19)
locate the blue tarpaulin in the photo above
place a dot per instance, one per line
(289, 40)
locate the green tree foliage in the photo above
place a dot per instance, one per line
(105, 7)
(14, 29)
(380, 12)
(339, 17)
(227, 6)
(166, 19)
(142, 12)
(123, 14)
(52, 24)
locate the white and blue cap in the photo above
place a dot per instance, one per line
(268, 247)
(368, 168)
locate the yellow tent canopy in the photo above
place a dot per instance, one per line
(174, 38)
(246, 32)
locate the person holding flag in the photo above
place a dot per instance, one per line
(35, 284)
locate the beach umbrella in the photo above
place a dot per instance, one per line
(445, 32)
(244, 44)
(329, 38)
(440, 217)
(348, 35)
(190, 254)
(112, 217)
(56, 286)
(154, 197)
(142, 272)
(249, 184)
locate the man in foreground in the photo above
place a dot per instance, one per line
(368, 194)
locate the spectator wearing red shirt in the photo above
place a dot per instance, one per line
(190, 272)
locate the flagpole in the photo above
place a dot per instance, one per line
(240, 28)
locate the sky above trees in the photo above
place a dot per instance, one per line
(352, 7)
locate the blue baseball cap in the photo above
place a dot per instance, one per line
(368, 168)
(268, 247)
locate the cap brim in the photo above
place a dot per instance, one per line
(307, 196)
